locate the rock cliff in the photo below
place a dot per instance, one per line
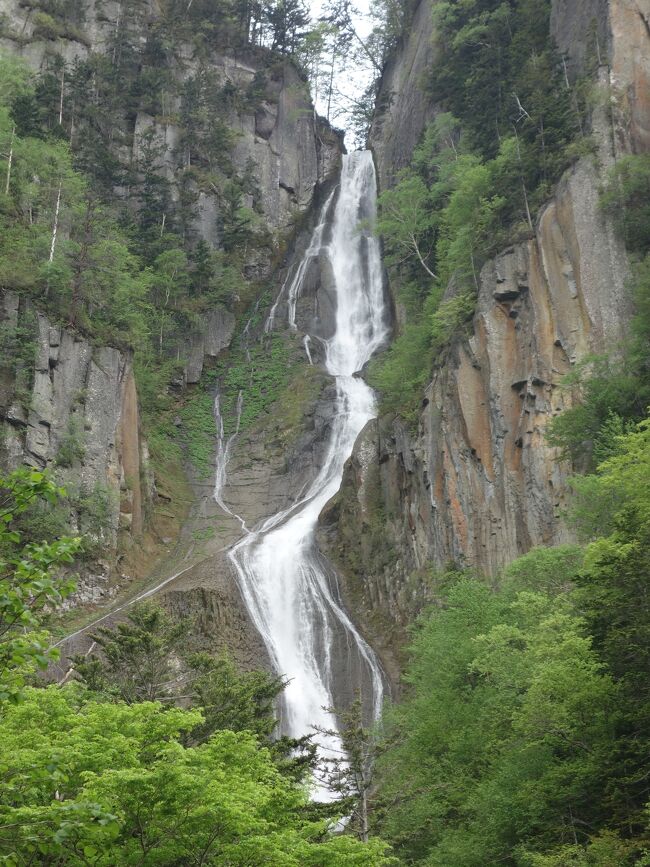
(621, 32)
(72, 407)
(403, 109)
(476, 485)
(291, 150)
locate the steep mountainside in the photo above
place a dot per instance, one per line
(69, 402)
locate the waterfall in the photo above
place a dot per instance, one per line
(223, 455)
(288, 587)
(293, 283)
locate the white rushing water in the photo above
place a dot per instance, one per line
(286, 584)
(293, 283)
(223, 455)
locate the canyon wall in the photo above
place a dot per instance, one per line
(476, 484)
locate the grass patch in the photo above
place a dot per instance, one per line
(199, 432)
(261, 380)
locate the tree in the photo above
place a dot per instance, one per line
(90, 782)
(145, 657)
(503, 739)
(32, 578)
(287, 21)
(406, 222)
(626, 199)
(349, 774)
(612, 592)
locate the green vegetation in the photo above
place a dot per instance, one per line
(199, 432)
(102, 783)
(512, 124)
(260, 373)
(30, 580)
(71, 448)
(260, 380)
(146, 657)
(524, 735)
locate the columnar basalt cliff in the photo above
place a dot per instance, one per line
(75, 410)
(477, 485)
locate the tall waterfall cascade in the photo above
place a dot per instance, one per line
(289, 588)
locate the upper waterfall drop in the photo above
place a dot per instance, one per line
(289, 588)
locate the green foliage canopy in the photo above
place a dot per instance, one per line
(88, 782)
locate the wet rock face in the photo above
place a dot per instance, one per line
(76, 410)
(404, 107)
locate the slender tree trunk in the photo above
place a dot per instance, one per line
(474, 271)
(10, 159)
(364, 813)
(566, 73)
(80, 266)
(55, 227)
(523, 183)
(61, 99)
(421, 260)
(331, 84)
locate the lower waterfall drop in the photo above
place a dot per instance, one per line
(287, 585)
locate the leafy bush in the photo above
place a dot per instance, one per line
(71, 448)
(30, 577)
(199, 432)
(610, 394)
(46, 27)
(401, 374)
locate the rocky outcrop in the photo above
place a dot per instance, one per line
(629, 22)
(219, 621)
(581, 32)
(288, 148)
(73, 409)
(213, 336)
